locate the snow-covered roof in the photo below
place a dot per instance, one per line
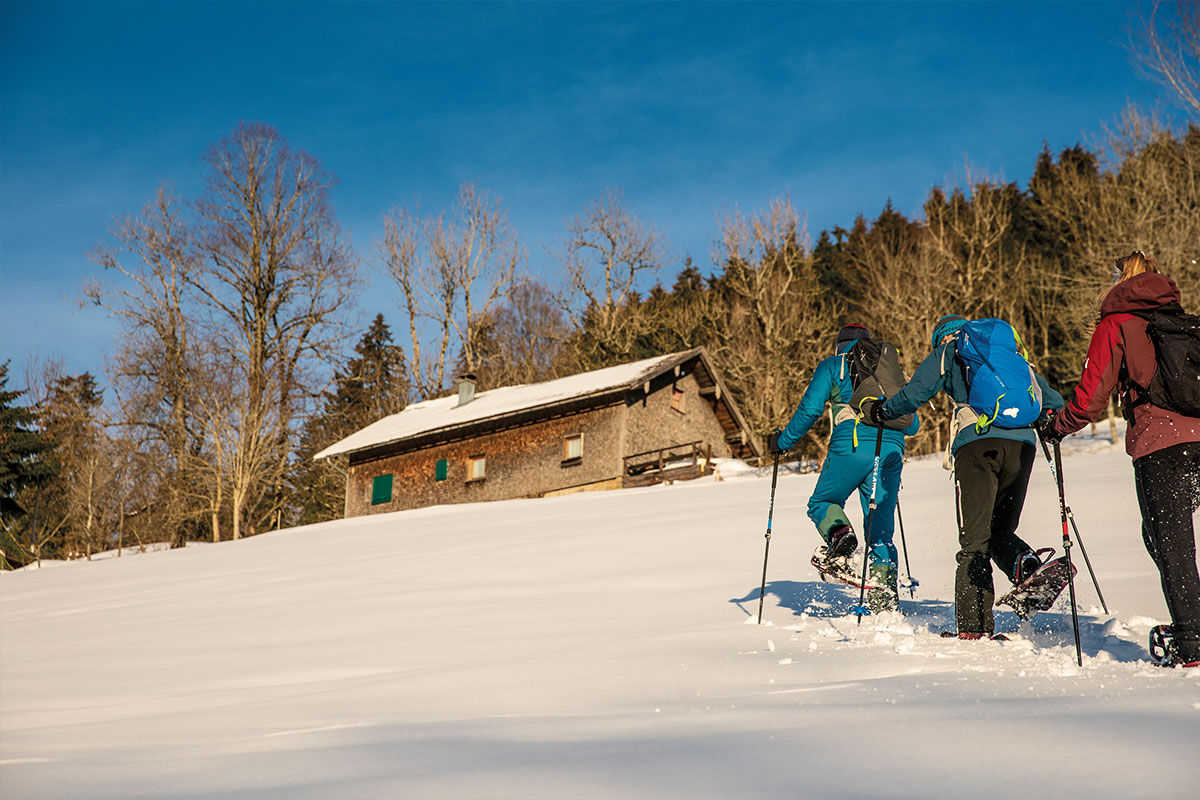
(445, 412)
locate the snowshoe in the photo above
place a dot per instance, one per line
(1164, 651)
(837, 569)
(1162, 645)
(1039, 591)
(967, 635)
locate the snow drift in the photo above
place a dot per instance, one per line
(596, 645)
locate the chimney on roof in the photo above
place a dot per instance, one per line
(466, 389)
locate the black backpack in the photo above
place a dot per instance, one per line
(875, 372)
(1176, 337)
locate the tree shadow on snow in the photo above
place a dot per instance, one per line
(829, 600)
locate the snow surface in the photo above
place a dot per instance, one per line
(592, 645)
(444, 412)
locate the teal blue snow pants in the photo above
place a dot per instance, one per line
(848, 468)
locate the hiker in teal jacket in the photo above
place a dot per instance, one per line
(849, 466)
(991, 473)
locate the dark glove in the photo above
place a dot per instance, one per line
(1045, 427)
(773, 443)
(873, 411)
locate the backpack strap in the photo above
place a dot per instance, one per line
(962, 416)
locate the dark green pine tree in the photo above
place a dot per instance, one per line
(373, 385)
(25, 466)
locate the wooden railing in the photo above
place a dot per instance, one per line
(676, 462)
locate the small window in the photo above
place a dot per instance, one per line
(677, 398)
(573, 447)
(441, 470)
(476, 468)
(381, 489)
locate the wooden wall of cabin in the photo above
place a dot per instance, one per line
(654, 422)
(520, 462)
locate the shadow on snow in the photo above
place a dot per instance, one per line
(1047, 629)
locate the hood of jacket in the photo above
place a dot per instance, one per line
(1143, 292)
(844, 347)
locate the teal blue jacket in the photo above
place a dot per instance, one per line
(831, 384)
(942, 371)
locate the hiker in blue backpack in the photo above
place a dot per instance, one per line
(998, 397)
(849, 465)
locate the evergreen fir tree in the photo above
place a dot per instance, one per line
(25, 466)
(373, 385)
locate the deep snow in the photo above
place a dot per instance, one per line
(593, 645)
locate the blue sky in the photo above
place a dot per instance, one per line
(690, 109)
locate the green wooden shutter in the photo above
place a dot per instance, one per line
(381, 489)
(441, 470)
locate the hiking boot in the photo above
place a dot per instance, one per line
(1029, 562)
(842, 542)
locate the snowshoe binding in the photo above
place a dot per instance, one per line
(837, 569)
(1164, 650)
(968, 636)
(1041, 588)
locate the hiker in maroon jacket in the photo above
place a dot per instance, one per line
(1165, 446)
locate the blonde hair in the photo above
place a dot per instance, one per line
(1126, 267)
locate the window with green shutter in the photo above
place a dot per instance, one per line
(441, 470)
(381, 489)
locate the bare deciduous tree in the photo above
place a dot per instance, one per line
(973, 235)
(522, 341)
(274, 277)
(1165, 40)
(607, 251)
(452, 271)
(774, 321)
(155, 260)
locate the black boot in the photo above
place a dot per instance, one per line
(842, 542)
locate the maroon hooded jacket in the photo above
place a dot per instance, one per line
(1121, 353)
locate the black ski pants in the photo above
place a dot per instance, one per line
(991, 477)
(1168, 491)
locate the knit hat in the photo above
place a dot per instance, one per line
(945, 326)
(849, 333)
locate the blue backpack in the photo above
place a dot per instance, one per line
(1003, 388)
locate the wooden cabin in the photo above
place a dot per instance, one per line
(660, 419)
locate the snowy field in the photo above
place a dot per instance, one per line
(593, 645)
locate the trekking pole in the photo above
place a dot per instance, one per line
(913, 583)
(1074, 527)
(861, 609)
(770, 513)
(1062, 507)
